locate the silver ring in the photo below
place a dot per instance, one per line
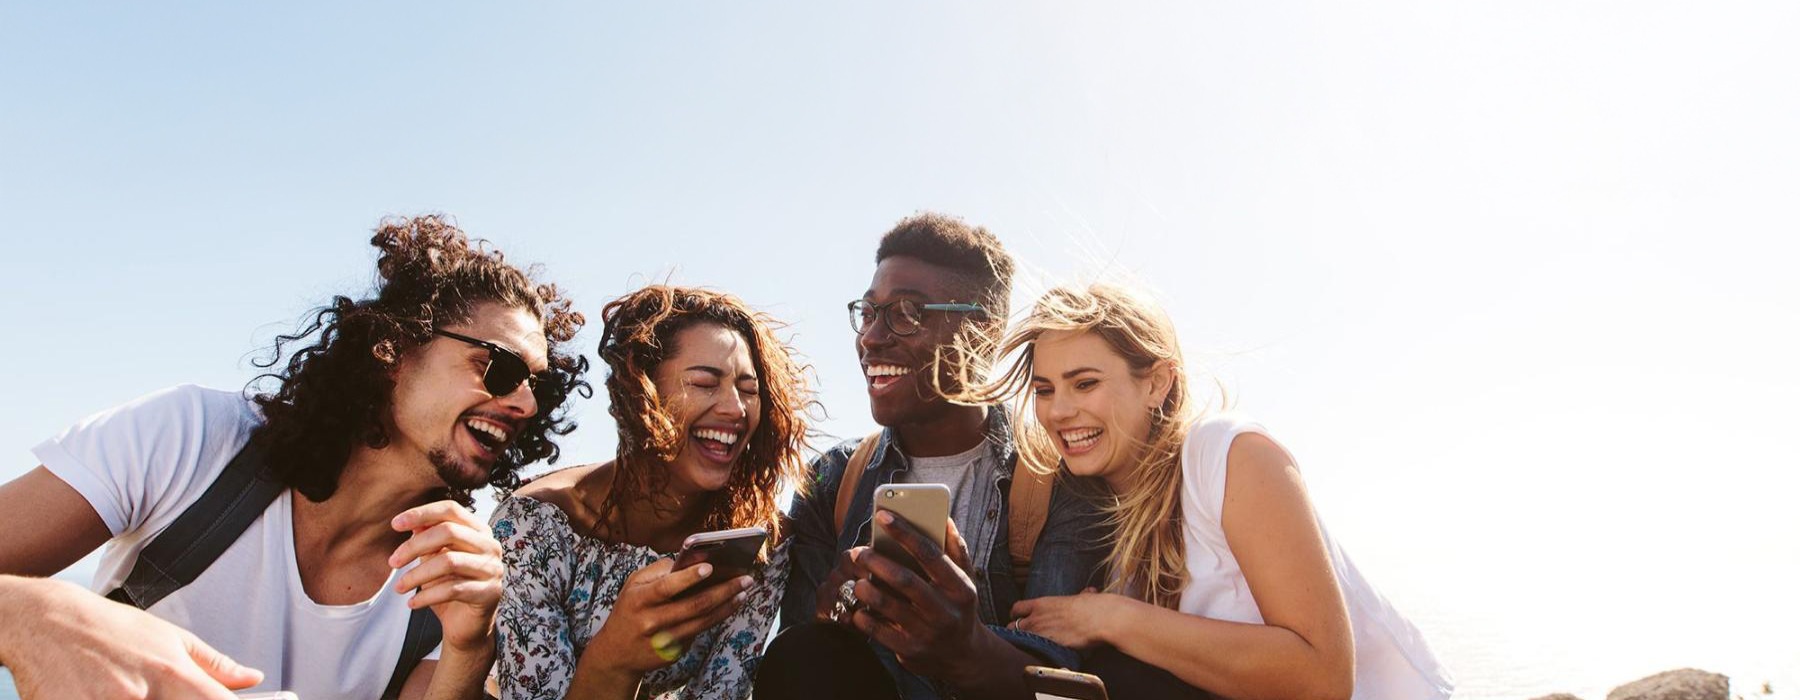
(847, 594)
(845, 606)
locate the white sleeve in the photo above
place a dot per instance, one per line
(1203, 459)
(139, 464)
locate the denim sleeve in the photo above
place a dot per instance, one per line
(814, 536)
(1048, 653)
(1072, 548)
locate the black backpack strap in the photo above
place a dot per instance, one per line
(201, 533)
(423, 632)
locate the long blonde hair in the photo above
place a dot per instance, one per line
(1146, 559)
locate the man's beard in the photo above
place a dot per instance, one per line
(459, 475)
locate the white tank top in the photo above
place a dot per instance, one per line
(1393, 662)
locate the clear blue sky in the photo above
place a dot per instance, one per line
(1515, 280)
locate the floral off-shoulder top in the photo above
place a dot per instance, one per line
(561, 585)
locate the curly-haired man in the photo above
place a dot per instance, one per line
(316, 533)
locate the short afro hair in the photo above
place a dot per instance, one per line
(949, 242)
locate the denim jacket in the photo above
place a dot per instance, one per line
(1067, 557)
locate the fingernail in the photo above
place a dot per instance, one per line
(400, 522)
(744, 582)
(884, 517)
(741, 596)
(704, 570)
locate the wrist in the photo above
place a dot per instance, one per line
(615, 681)
(1116, 615)
(982, 655)
(20, 596)
(469, 654)
(478, 647)
(600, 666)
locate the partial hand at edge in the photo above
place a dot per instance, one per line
(74, 644)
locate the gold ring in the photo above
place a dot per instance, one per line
(665, 646)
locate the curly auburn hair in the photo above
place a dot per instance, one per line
(640, 333)
(336, 392)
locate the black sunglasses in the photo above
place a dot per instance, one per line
(506, 370)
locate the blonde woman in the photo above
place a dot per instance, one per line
(1220, 574)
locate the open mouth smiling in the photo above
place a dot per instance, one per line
(1079, 440)
(882, 377)
(715, 443)
(490, 435)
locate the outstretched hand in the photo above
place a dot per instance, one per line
(79, 645)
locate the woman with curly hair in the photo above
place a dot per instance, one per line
(1221, 576)
(711, 413)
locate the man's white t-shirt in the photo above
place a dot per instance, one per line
(141, 464)
(1393, 660)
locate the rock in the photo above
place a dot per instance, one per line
(1683, 684)
(1559, 696)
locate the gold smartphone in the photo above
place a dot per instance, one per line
(1062, 684)
(925, 506)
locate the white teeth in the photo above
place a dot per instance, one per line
(716, 436)
(489, 429)
(1082, 437)
(885, 370)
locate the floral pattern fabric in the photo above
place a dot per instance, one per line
(561, 586)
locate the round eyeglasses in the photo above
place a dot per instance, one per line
(903, 316)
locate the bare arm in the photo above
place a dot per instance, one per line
(71, 643)
(48, 525)
(62, 641)
(1304, 647)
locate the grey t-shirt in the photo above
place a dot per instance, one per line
(960, 472)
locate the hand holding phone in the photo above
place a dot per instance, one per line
(732, 553)
(924, 506)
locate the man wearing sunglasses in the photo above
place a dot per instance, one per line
(939, 631)
(313, 537)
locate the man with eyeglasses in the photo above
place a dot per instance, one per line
(314, 537)
(859, 624)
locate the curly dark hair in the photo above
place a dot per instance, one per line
(979, 260)
(640, 333)
(336, 392)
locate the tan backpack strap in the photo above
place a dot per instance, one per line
(1028, 506)
(853, 470)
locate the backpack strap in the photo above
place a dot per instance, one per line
(1028, 506)
(179, 554)
(423, 632)
(853, 470)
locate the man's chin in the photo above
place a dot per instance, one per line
(460, 474)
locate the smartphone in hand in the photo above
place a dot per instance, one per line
(1062, 684)
(732, 553)
(925, 506)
